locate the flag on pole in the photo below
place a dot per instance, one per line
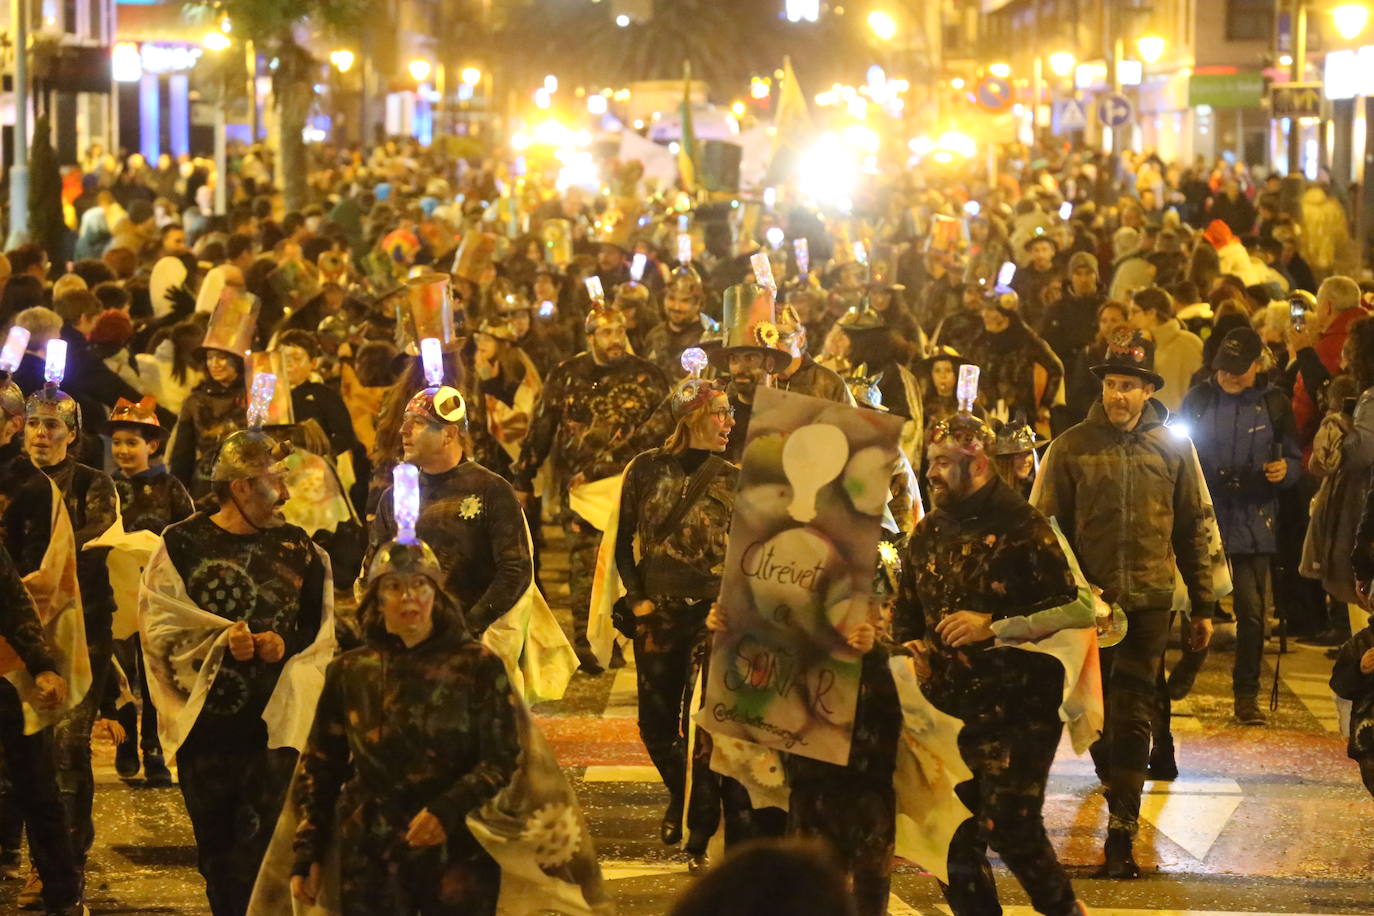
(687, 145)
(791, 124)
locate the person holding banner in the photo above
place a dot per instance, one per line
(28, 757)
(228, 602)
(591, 418)
(983, 555)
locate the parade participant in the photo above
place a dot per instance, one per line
(29, 760)
(1069, 324)
(1009, 353)
(470, 515)
(150, 499)
(683, 325)
(591, 419)
(873, 344)
(230, 601)
(25, 496)
(748, 356)
(903, 508)
(1013, 454)
(675, 505)
(1247, 443)
(1126, 494)
(52, 428)
(801, 373)
(312, 399)
(938, 376)
(983, 555)
(509, 385)
(422, 696)
(215, 407)
(1035, 274)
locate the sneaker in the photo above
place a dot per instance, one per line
(155, 772)
(31, 894)
(1248, 711)
(698, 863)
(126, 759)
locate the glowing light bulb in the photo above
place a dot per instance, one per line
(967, 391)
(433, 358)
(763, 271)
(802, 250)
(775, 237)
(260, 398)
(13, 352)
(637, 266)
(55, 361)
(405, 500)
(694, 361)
(595, 291)
(684, 248)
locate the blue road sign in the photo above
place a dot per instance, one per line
(994, 94)
(1071, 115)
(1113, 110)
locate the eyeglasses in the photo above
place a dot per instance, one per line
(723, 413)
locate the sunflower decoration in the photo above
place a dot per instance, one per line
(766, 333)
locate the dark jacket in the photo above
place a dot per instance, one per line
(1070, 325)
(25, 507)
(591, 420)
(1131, 507)
(1349, 683)
(317, 401)
(991, 553)
(473, 522)
(663, 347)
(688, 560)
(815, 380)
(1008, 360)
(209, 414)
(151, 500)
(440, 715)
(91, 505)
(1235, 436)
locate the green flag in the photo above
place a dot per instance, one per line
(687, 146)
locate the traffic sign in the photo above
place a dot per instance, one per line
(994, 93)
(1296, 100)
(1071, 115)
(1113, 110)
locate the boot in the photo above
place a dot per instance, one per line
(1120, 857)
(670, 830)
(1162, 767)
(126, 754)
(1181, 679)
(617, 656)
(155, 772)
(31, 894)
(697, 862)
(1248, 711)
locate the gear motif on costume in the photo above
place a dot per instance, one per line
(228, 693)
(556, 835)
(470, 507)
(224, 586)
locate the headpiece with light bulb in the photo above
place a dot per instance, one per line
(438, 403)
(51, 400)
(11, 398)
(694, 392)
(405, 553)
(964, 429)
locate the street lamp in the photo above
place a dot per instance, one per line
(419, 69)
(1151, 48)
(1062, 63)
(1001, 71)
(215, 41)
(471, 76)
(882, 24)
(342, 60)
(1350, 18)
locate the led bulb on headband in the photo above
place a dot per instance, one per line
(968, 387)
(405, 501)
(13, 352)
(802, 250)
(763, 271)
(595, 291)
(684, 248)
(637, 267)
(260, 398)
(55, 361)
(694, 361)
(432, 356)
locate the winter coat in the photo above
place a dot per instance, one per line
(210, 412)
(1328, 349)
(1008, 360)
(1131, 506)
(1235, 436)
(1349, 683)
(1336, 509)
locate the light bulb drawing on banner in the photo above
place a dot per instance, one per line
(812, 457)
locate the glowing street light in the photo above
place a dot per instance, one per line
(596, 104)
(737, 109)
(551, 83)
(758, 87)
(215, 41)
(1001, 71)
(1062, 63)
(882, 24)
(419, 69)
(1350, 18)
(623, 21)
(1151, 48)
(471, 76)
(342, 60)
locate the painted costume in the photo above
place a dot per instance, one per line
(210, 413)
(992, 553)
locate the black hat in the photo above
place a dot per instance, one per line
(1130, 353)
(1040, 236)
(1238, 351)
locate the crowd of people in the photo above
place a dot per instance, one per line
(274, 488)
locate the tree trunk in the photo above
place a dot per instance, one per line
(292, 91)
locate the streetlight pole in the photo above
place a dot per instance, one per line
(1299, 72)
(19, 171)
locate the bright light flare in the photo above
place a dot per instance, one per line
(882, 24)
(1062, 63)
(1001, 71)
(759, 88)
(828, 171)
(596, 104)
(1350, 19)
(542, 98)
(342, 59)
(471, 76)
(217, 41)
(420, 69)
(1151, 48)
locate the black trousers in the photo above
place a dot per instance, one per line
(1130, 673)
(664, 641)
(72, 751)
(36, 801)
(233, 795)
(856, 814)
(140, 720)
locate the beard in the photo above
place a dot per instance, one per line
(608, 356)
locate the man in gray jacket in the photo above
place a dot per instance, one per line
(1127, 496)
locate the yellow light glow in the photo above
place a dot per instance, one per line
(215, 41)
(551, 83)
(342, 60)
(955, 142)
(1062, 63)
(759, 88)
(900, 86)
(419, 69)
(944, 157)
(827, 98)
(863, 138)
(1151, 48)
(737, 109)
(519, 142)
(1001, 71)
(1285, 60)
(828, 171)
(921, 146)
(471, 76)
(1350, 18)
(957, 82)
(596, 104)
(622, 94)
(882, 24)
(542, 98)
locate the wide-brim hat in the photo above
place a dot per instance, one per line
(1130, 353)
(1015, 438)
(749, 325)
